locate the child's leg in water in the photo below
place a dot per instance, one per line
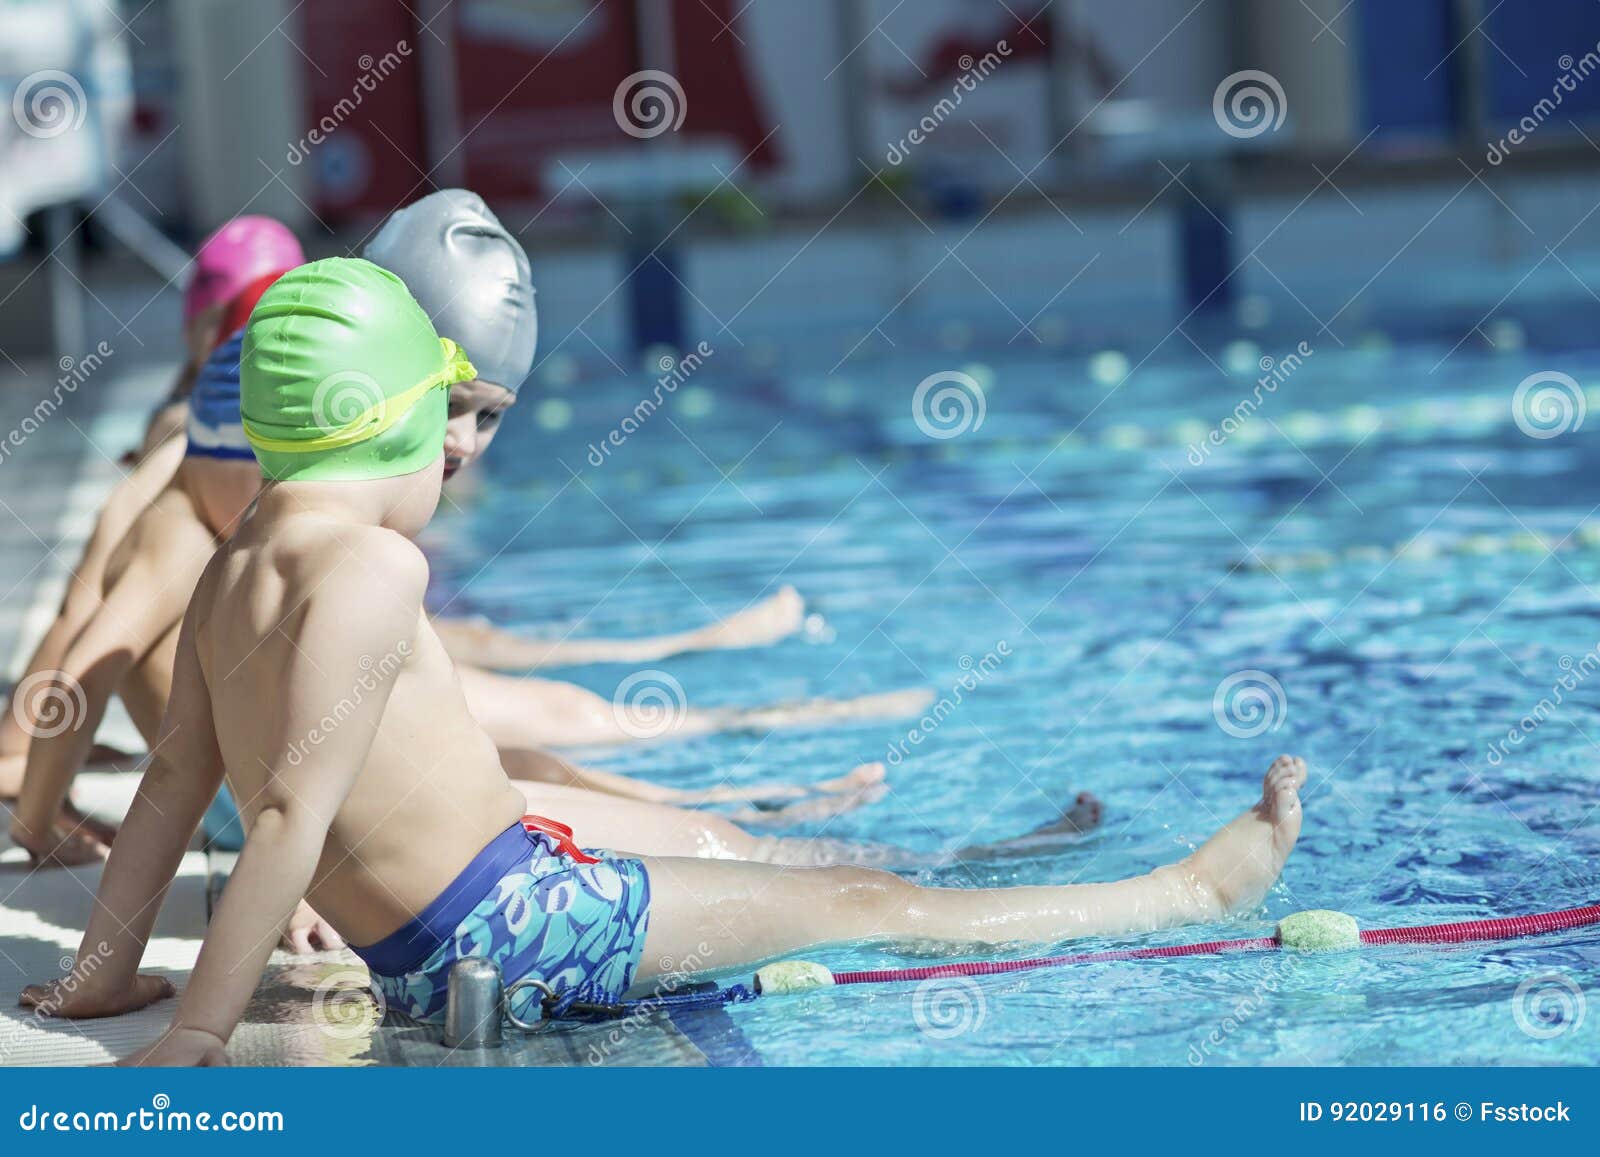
(527, 712)
(654, 829)
(841, 794)
(731, 914)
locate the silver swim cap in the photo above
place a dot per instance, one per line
(470, 276)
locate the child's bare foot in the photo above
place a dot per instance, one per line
(1238, 864)
(1083, 816)
(768, 621)
(866, 776)
(869, 778)
(71, 818)
(63, 846)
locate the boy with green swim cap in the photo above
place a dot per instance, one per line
(372, 416)
(308, 675)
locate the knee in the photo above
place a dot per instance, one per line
(722, 839)
(94, 669)
(874, 898)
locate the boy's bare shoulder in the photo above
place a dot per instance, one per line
(351, 566)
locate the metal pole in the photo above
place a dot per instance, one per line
(853, 76)
(441, 103)
(64, 242)
(1469, 72)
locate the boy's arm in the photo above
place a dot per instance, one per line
(173, 796)
(340, 650)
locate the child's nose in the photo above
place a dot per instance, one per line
(461, 439)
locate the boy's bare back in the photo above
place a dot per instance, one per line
(298, 623)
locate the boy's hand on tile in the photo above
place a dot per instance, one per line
(307, 932)
(180, 1048)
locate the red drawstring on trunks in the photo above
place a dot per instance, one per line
(560, 835)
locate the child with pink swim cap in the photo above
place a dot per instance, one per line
(240, 252)
(235, 255)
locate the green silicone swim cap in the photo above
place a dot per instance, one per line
(342, 376)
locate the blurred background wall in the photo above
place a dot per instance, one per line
(675, 165)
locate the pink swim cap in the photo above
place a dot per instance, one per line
(235, 255)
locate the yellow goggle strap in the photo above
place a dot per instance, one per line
(377, 418)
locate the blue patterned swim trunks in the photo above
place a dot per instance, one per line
(537, 906)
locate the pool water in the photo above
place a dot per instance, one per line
(1118, 583)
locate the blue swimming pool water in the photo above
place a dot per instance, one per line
(1073, 528)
